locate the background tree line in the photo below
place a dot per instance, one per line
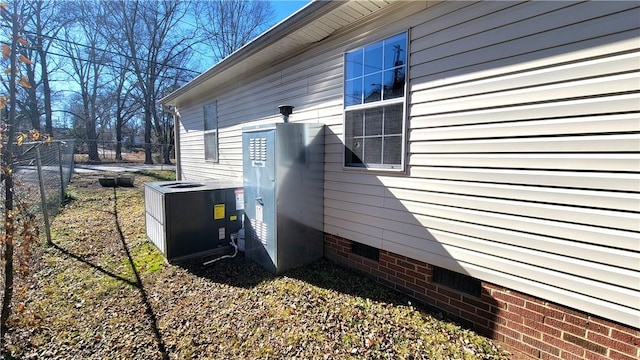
(102, 65)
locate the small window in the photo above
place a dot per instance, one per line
(210, 132)
(374, 100)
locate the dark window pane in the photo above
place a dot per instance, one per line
(372, 87)
(373, 122)
(353, 123)
(393, 119)
(395, 51)
(394, 83)
(372, 150)
(353, 66)
(353, 92)
(392, 150)
(373, 58)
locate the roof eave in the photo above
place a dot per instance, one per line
(308, 13)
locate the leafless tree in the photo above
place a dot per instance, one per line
(226, 25)
(159, 49)
(46, 22)
(83, 46)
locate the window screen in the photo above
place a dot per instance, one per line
(374, 96)
(210, 132)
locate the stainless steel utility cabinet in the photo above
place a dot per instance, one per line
(192, 219)
(283, 170)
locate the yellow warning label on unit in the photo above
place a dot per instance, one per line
(218, 211)
(233, 218)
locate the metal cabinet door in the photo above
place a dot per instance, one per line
(260, 196)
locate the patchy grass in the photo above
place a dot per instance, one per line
(104, 291)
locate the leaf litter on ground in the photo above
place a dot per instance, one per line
(103, 291)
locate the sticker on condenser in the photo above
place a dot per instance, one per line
(218, 211)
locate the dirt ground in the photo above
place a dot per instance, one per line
(103, 291)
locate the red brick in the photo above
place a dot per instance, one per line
(540, 345)
(611, 324)
(567, 311)
(599, 328)
(386, 258)
(511, 316)
(540, 326)
(593, 356)
(625, 337)
(386, 270)
(490, 286)
(585, 343)
(522, 347)
(612, 343)
(396, 268)
(426, 285)
(476, 302)
(416, 288)
(405, 264)
(525, 330)
(526, 313)
(508, 298)
(425, 269)
(544, 310)
(408, 279)
(619, 356)
(580, 321)
(564, 345)
(569, 356)
(416, 275)
(566, 327)
(546, 356)
(507, 331)
(437, 296)
(462, 306)
(476, 319)
(486, 315)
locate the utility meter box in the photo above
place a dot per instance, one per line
(283, 172)
(192, 219)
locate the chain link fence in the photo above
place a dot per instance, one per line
(42, 171)
(124, 151)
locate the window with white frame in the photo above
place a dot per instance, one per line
(374, 102)
(211, 132)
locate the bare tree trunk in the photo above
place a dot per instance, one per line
(48, 112)
(148, 159)
(8, 247)
(7, 162)
(119, 124)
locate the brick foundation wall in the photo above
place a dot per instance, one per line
(524, 323)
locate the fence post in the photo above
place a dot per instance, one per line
(43, 196)
(62, 179)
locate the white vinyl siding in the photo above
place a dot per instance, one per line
(523, 135)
